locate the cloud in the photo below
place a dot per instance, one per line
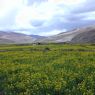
(46, 17)
(8, 12)
(42, 12)
(31, 2)
(88, 6)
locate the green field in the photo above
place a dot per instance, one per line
(54, 69)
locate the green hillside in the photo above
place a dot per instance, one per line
(54, 69)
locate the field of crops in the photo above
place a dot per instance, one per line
(54, 69)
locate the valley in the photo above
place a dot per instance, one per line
(77, 36)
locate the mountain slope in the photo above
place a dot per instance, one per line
(37, 36)
(5, 41)
(62, 37)
(11, 37)
(80, 35)
(86, 36)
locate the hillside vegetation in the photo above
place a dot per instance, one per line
(53, 69)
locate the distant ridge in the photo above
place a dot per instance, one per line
(79, 35)
(87, 35)
(12, 37)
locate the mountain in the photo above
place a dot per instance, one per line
(12, 37)
(87, 35)
(62, 37)
(37, 37)
(79, 35)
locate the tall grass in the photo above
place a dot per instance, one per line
(47, 69)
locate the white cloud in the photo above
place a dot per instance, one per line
(45, 17)
(7, 5)
(89, 16)
(67, 2)
(45, 12)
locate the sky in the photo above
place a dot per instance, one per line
(45, 17)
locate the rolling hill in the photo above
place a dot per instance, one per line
(87, 35)
(12, 37)
(79, 35)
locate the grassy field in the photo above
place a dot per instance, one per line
(53, 69)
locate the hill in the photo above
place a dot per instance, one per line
(12, 37)
(79, 35)
(87, 35)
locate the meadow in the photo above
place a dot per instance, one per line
(53, 69)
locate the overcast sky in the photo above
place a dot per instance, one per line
(45, 17)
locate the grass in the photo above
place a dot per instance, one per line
(53, 69)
